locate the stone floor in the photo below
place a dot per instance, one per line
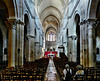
(51, 74)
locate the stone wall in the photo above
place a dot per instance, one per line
(86, 12)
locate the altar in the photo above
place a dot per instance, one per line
(50, 54)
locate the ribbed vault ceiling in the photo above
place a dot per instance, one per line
(50, 13)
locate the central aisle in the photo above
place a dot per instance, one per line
(51, 74)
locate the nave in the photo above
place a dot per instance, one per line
(51, 73)
(33, 30)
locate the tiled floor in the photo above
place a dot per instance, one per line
(51, 74)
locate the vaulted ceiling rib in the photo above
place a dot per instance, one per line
(50, 13)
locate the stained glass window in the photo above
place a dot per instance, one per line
(51, 37)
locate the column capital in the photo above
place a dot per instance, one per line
(83, 22)
(13, 22)
(88, 21)
(91, 21)
(30, 36)
(73, 37)
(36, 43)
(20, 22)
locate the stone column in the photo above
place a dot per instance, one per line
(81, 45)
(31, 48)
(11, 44)
(84, 52)
(74, 52)
(44, 44)
(41, 45)
(58, 49)
(21, 43)
(91, 37)
(86, 45)
(40, 50)
(37, 44)
(70, 57)
(17, 42)
(26, 50)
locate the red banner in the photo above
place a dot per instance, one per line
(50, 53)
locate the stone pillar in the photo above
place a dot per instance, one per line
(74, 52)
(40, 44)
(44, 45)
(11, 44)
(81, 46)
(21, 43)
(86, 46)
(17, 42)
(37, 49)
(26, 50)
(58, 49)
(40, 50)
(84, 53)
(84, 43)
(31, 48)
(91, 37)
(70, 55)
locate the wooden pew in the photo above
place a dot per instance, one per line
(32, 71)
